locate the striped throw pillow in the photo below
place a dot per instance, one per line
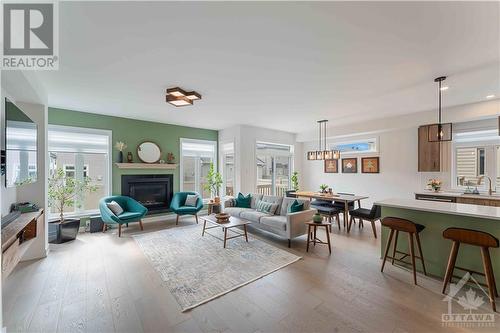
(265, 207)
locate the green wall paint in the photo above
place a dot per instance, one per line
(133, 132)
(436, 249)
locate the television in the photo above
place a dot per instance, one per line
(19, 165)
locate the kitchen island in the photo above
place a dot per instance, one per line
(438, 216)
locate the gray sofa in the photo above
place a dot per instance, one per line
(282, 223)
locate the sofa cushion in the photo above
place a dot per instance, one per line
(115, 207)
(273, 199)
(243, 201)
(191, 200)
(276, 221)
(236, 211)
(266, 207)
(255, 197)
(296, 207)
(252, 215)
(287, 202)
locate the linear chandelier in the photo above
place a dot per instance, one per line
(324, 154)
(178, 97)
(439, 132)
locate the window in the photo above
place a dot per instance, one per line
(196, 157)
(82, 153)
(274, 167)
(476, 158)
(21, 153)
(228, 174)
(357, 146)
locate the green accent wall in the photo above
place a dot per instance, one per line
(436, 249)
(133, 132)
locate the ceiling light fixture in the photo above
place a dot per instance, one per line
(325, 154)
(439, 132)
(179, 97)
(490, 96)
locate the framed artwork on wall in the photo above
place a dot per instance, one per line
(349, 165)
(331, 166)
(370, 165)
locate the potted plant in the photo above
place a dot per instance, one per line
(323, 188)
(120, 146)
(214, 181)
(66, 192)
(295, 183)
(435, 184)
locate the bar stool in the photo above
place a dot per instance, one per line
(396, 225)
(476, 238)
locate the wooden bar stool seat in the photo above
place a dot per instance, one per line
(476, 238)
(396, 225)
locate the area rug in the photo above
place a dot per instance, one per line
(198, 269)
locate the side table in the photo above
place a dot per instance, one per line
(311, 234)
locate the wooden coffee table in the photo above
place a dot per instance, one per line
(233, 223)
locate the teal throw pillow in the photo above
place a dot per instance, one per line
(296, 207)
(243, 201)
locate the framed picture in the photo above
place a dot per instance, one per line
(331, 166)
(349, 165)
(370, 165)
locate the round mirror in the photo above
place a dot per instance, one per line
(148, 152)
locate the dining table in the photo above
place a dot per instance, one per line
(339, 197)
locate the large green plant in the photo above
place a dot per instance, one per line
(295, 181)
(67, 191)
(214, 181)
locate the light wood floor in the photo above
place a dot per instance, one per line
(102, 283)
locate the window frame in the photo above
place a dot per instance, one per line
(108, 164)
(291, 159)
(222, 163)
(335, 144)
(214, 143)
(490, 165)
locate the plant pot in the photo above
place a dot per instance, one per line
(63, 232)
(217, 200)
(317, 218)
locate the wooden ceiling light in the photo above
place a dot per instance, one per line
(179, 97)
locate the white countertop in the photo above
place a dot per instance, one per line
(461, 195)
(486, 212)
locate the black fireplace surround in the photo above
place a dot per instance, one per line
(153, 191)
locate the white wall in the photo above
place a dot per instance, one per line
(398, 144)
(245, 138)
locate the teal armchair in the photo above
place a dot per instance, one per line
(177, 205)
(133, 211)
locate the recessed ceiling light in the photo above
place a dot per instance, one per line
(490, 96)
(179, 97)
(444, 88)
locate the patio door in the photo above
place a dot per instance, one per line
(274, 167)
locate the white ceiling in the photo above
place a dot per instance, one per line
(276, 65)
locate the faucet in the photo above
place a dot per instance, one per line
(490, 190)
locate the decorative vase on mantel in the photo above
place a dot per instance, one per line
(120, 157)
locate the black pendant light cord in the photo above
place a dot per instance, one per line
(439, 103)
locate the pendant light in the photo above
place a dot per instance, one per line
(439, 132)
(324, 154)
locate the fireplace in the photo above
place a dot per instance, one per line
(153, 191)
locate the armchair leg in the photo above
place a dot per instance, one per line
(127, 225)
(140, 224)
(289, 243)
(177, 220)
(196, 217)
(104, 227)
(119, 230)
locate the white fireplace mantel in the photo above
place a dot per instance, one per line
(146, 166)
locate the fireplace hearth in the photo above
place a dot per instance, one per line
(153, 191)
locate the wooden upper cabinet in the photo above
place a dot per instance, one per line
(429, 153)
